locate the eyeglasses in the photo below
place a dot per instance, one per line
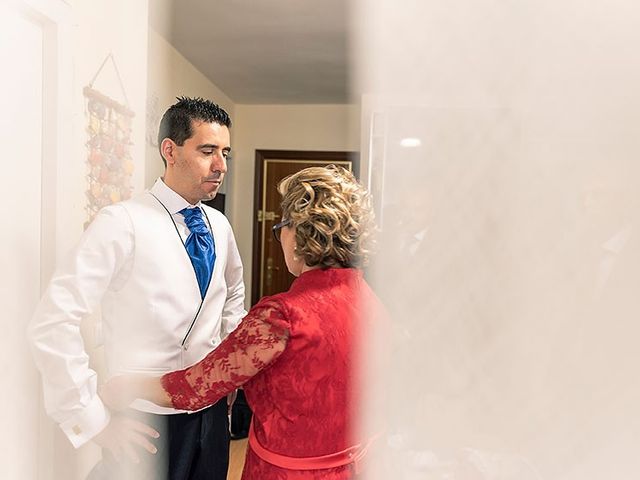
(276, 229)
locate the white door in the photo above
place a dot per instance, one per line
(21, 53)
(34, 82)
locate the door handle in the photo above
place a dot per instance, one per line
(267, 215)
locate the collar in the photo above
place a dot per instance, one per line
(169, 198)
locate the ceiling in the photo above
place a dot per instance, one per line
(262, 51)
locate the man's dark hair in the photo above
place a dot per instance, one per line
(176, 121)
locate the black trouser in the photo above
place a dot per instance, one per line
(192, 446)
(199, 444)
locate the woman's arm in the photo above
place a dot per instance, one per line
(257, 342)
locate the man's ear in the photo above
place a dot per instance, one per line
(168, 151)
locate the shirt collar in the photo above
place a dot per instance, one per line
(169, 198)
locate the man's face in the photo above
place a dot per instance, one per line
(200, 164)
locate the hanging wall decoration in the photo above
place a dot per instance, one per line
(109, 163)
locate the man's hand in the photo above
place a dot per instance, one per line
(123, 435)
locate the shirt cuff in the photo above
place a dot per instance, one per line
(87, 424)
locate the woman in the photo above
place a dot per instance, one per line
(295, 352)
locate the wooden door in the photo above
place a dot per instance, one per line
(270, 274)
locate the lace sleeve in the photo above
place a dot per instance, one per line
(259, 339)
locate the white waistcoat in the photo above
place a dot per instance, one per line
(157, 321)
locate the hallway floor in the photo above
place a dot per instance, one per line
(236, 458)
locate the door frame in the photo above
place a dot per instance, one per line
(261, 157)
(54, 454)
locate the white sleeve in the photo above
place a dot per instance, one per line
(76, 288)
(233, 311)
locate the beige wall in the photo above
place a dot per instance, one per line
(171, 75)
(280, 127)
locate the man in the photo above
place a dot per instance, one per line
(166, 271)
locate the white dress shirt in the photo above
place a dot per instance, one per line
(132, 250)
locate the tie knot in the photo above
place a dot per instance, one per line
(194, 221)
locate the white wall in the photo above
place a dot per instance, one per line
(101, 27)
(280, 127)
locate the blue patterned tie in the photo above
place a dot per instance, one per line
(200, 247)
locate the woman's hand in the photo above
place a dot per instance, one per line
(120, 391)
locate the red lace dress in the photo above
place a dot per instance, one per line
(294, 355)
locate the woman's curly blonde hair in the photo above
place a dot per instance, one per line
(332, 216)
